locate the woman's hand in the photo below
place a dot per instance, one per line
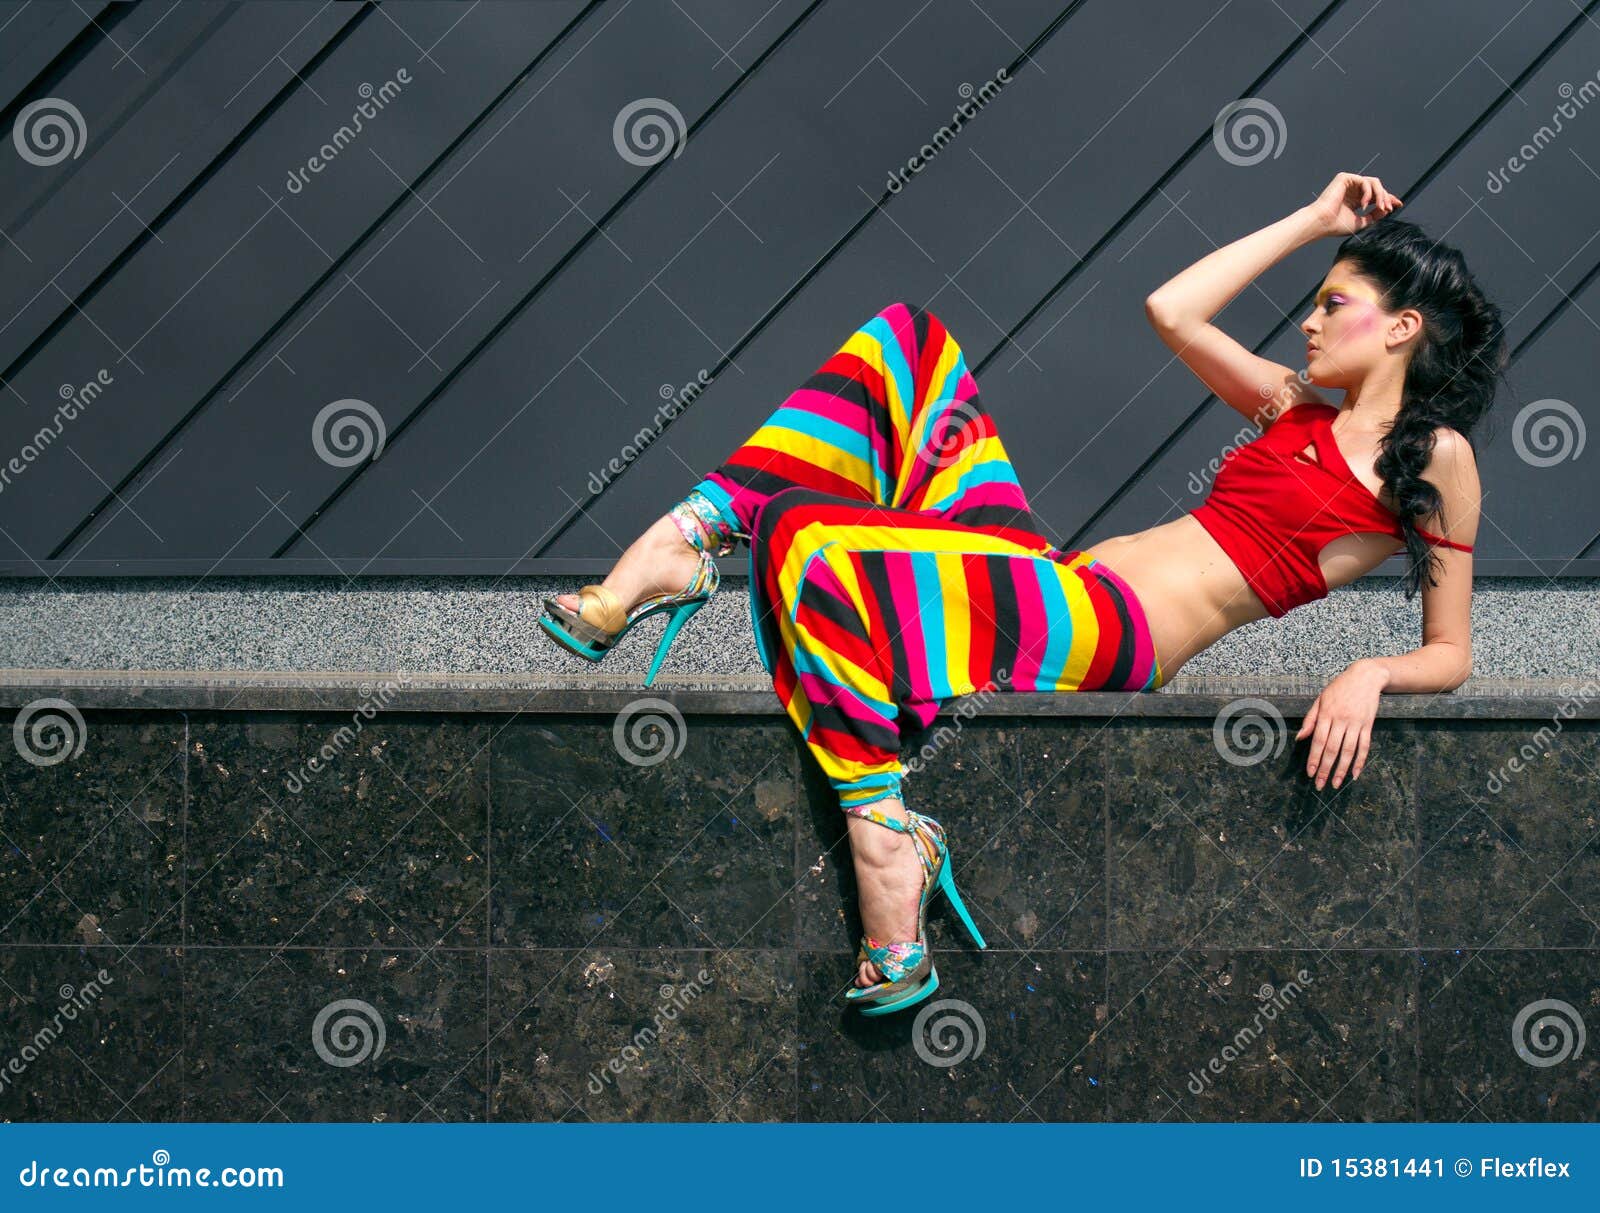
(1335, 209)
(1341, 722)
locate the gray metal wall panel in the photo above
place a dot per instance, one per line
(513, 295)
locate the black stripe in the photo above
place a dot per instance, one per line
(1007, 620)
(876, 576)
(1122, 670)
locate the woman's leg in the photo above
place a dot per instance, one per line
(892, 418)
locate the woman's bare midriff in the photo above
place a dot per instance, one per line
(1192, 593)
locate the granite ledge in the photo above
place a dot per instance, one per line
(1577, 697)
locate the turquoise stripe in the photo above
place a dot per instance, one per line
(990, 471)
(824, 429)
(930, 606)
(1058, 613)
(723, 501)
(894, 362)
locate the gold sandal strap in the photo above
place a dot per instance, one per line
(608, 614)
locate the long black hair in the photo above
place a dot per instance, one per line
(1450, 380)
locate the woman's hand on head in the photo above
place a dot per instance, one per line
(1336, 207)
(1340, 724)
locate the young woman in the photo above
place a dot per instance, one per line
(896, 564)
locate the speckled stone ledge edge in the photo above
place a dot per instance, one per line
(742, 695)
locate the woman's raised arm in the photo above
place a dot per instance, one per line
(1182, 307)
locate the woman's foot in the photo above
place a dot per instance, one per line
(661, 561)
(888, 881)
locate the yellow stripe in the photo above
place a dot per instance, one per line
(946, 482)
(815, 451)
(1085, 632)
(957, 622)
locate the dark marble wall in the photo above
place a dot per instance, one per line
(514, 905)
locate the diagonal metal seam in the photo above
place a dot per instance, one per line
(1432, 171)
(294, 309)
(560, 528)
(148, 231)
(545, 279)
(60, 181)
(67, 57)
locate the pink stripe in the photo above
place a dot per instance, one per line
(1033, 622)
(908, 618)
(820, 691)
(825, 404)
(849, 414)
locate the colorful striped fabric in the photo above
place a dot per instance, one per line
(896, 563)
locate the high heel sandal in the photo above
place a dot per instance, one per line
(906, 966)
(601, 620)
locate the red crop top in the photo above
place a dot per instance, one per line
(1274, 508)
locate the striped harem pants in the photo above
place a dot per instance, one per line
(895, 563)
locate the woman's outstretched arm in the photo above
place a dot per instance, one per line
(1182, 307)
(1340, 721)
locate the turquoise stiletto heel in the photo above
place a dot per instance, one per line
(910, 976)
(600, 621)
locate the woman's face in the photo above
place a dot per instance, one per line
(1347, 332)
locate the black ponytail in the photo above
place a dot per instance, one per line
(1451, 378)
